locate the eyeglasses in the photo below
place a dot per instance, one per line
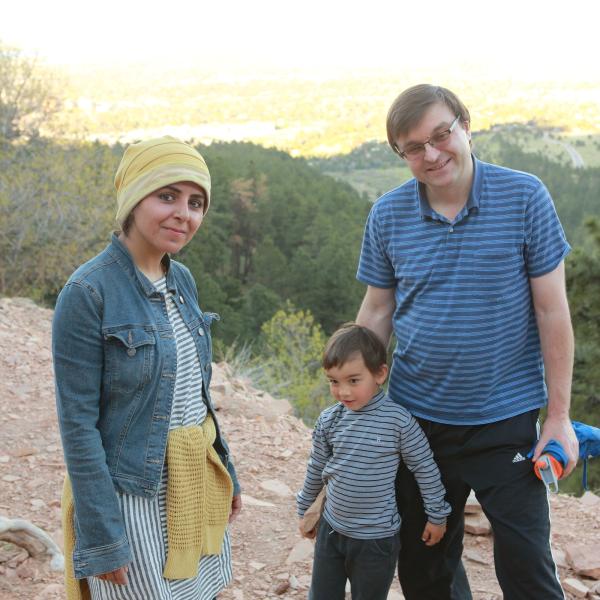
(437, 140)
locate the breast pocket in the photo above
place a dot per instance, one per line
(494, 274)
(130, 357)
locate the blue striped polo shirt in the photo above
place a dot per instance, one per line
(468, 349)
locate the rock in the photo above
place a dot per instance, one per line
(575, 587)
(250, 501)
(472, 505)
(276, 487)
(560, 558)
(4, 458)
(394, 595)
(302, 551)
(25, 570)
(238, 595)
(590, 499)
(477, 524)
(11, 478)
(37, 503)
(282, 587)
(257, 566)
(24, 451)
(51, 592)
(304, 581)
(585, 559)
(294, 583)
(475, 556)
(595, 589)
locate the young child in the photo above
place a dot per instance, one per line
(357, 446)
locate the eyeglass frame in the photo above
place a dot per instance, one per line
(449, 131)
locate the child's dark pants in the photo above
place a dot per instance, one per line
(368, 564)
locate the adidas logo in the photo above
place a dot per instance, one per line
(518, 458)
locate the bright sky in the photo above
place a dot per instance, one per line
(531, 38)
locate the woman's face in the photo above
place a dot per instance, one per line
(167, 219)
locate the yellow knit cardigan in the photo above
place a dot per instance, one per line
(199, 494)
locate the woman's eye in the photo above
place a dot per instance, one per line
(197, 203)
(166, 197)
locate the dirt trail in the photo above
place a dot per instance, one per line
(270, 449)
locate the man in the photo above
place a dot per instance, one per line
(465, 264)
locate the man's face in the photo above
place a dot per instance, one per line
(447, 165)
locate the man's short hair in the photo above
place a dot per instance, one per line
(408, 109)
(351, 339)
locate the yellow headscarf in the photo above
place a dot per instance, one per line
(148, 166)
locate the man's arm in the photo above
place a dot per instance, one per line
(376, 312)
(556, 337)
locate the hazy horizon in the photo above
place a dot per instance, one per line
(468, 39)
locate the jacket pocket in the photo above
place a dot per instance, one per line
(130, 357)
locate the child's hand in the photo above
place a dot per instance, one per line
(310, 535)
(432, 534)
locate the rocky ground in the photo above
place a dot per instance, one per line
(270, 448)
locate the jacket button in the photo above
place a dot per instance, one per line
(181, 300)
(200, 331)
(131, 351)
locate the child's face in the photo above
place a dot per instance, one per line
(353, 384)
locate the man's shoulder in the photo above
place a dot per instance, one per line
(498, 175)
(403, 194)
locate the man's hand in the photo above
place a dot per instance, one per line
(118, 576)
(561, 430)
(432, 533)
(236, 507)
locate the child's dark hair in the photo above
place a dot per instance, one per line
(352, 339)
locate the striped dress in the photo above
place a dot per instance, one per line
(145, 519)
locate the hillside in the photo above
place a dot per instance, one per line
(303, 113)
(270, 447)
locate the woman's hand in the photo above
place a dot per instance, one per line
(118, 576)
(236, 507)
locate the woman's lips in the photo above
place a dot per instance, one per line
(176, 231)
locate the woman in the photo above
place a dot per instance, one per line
(150, 486)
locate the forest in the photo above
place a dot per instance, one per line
(277, 254)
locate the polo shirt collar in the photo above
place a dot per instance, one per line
(375, 402)
(472, 201)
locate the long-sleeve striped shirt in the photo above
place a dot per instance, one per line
(357, 453)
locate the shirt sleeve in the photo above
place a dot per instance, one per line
(374, 266)
(545, 241)
(418, 457)
(320, 454)
(78, 354)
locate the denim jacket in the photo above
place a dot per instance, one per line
(115, 363)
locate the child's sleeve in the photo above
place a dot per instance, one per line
(313, 482)
(418, 457)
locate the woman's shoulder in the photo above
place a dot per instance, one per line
(93, 269)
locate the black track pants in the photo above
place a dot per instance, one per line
(488, 459)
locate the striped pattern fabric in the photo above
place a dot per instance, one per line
(467, 349)
(146, 519)
(356, 454)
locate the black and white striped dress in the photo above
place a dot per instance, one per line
(146, 519)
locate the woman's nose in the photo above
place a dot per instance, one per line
(182, 211)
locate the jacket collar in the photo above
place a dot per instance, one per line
(121, 254)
